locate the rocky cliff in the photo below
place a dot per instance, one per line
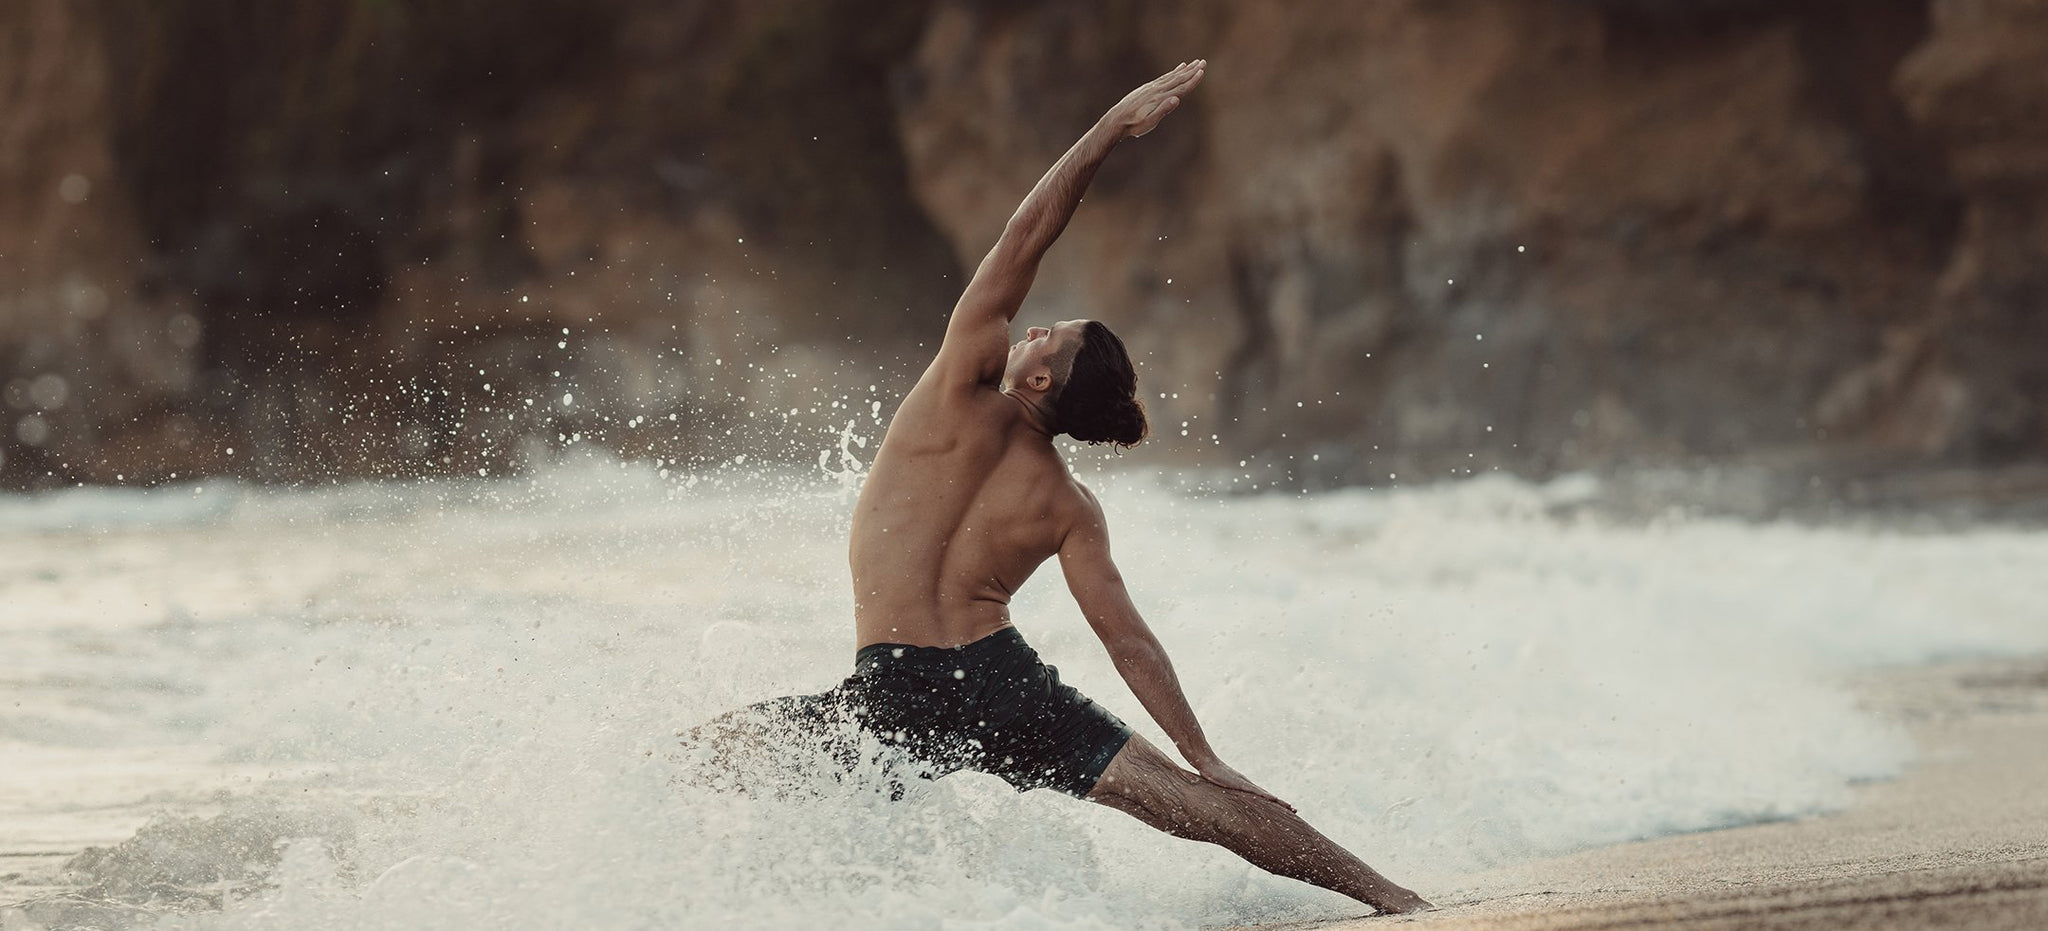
(1406, 238)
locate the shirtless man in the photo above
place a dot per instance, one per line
(966, 497)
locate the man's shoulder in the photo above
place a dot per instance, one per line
(939, 402)
(1077, 504)
(1083, 494)
(943, 382)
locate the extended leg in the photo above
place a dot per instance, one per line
(729, 752)
(1143, 783)
(780, 746)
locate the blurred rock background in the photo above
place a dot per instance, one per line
(1799, 240)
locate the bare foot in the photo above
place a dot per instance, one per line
(1403, 902)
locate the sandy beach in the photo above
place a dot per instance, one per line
(1959, 841)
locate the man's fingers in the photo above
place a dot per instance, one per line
(1183, 77)
(1268, 796)
(1252, 790)
(1277, 800)
(1181, 72)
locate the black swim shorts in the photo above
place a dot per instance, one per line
(990, 706)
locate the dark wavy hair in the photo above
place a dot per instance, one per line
(1099, 403)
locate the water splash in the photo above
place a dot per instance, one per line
(476, 685)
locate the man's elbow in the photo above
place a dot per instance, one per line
(1024, 238)
(1134, 650)
(1021, 222)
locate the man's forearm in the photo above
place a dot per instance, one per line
(1046, 210)
(1146, 669)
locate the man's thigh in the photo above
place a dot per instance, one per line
(1036, 732)
(1144, 783)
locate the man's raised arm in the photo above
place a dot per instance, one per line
(978, 335)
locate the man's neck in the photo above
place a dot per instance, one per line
(1037, 413)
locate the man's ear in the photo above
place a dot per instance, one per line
(1040, 380)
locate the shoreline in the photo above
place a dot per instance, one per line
(1959, 839)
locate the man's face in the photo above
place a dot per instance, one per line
(1044, 350)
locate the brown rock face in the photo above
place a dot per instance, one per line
(393, 238)
(1978, 87)
(88, 358)
(1412, 238)
(1540, 235)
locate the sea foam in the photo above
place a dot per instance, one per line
(453, 704)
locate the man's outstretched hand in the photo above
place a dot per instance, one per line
(1142, 109)
(1220, 773)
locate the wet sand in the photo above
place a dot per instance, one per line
(1958, 841)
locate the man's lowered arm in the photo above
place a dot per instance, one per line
(1099, 589)
(978, 335)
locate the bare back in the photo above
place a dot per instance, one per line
(966, 498)
(967, 495)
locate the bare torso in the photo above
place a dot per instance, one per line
(966, 498)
